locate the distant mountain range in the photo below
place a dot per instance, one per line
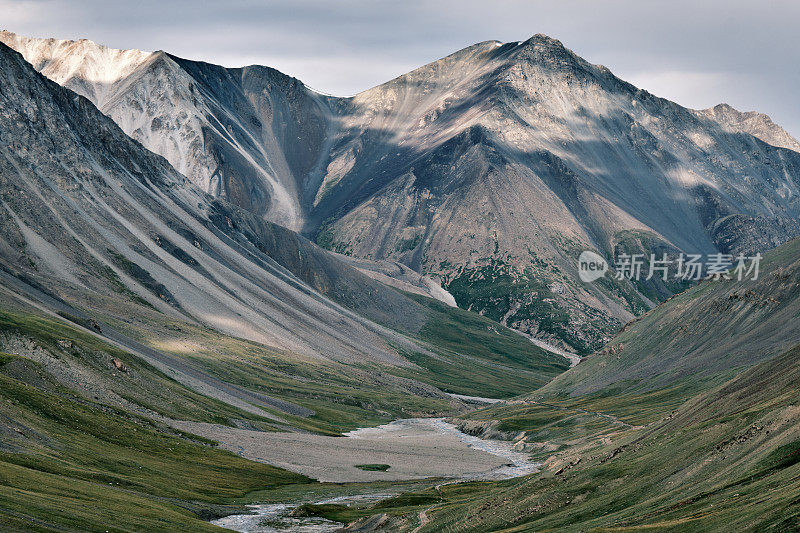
(489, 170)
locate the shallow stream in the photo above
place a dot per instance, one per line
(276, 517)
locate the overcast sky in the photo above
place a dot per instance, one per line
(698, 53)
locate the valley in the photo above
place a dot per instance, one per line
(224, 293)
(710, 454)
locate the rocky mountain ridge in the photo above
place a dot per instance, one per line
(489, 170)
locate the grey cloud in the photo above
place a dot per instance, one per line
(747, 52)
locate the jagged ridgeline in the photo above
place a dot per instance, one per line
(490, 169)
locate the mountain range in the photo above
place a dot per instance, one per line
(489, 170)
(101, 231)
(185, 245)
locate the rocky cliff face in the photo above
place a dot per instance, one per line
(494, 167)
(88, 215)
(489, 170)
(247, 135)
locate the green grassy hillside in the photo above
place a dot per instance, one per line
(687, 421)
(728, 460)
(697, 339)
(71, 464)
